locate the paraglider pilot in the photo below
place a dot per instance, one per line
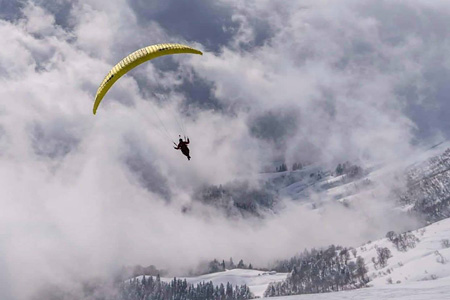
(183, 146)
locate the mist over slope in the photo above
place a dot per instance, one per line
(410, 257)
(413, 256)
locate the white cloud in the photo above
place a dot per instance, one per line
(72, 205)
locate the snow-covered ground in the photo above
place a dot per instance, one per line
(314, 179)
(422, 272)
(429, 260)
(424, 290)
(256, 280)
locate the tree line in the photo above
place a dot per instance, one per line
(319, 271)
(153, 288)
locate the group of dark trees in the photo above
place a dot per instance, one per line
(282, 168)
(402, 241)
(319, 271)
(428, 188)
(216, 266)
(383, 254)
(349, 169)
(127, 272)
(237, 198)
(295, 166)
(150, 288)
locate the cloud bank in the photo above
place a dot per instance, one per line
(300, 81)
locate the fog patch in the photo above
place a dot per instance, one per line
(140, 161)
(274, 126)
(54, 139)
(238, 199)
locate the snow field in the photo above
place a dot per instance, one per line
(429, 260)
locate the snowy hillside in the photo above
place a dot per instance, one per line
(418, 268)
(428, 188)
(408, 258)
(424, 290)
(413, 265)
(428, 260)
(256, 280)
(428, 173)
(416, 183)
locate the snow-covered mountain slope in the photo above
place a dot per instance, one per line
(315, 185)
(427, 191)
(325, 185)
(424, 290)
(428, 260)
(410, 258)
(256, 280)
(420, 272)
(423, 270)
(300, 184)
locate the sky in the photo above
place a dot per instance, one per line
(298, 81)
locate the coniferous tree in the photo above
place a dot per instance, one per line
(241, 264)
(177, 289)
(297, 166)
(214, 266)
(229, 291)
(339, 170)
(231, 264)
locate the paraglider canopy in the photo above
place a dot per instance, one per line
(133, 60)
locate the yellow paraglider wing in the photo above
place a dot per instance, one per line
(133, 60)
